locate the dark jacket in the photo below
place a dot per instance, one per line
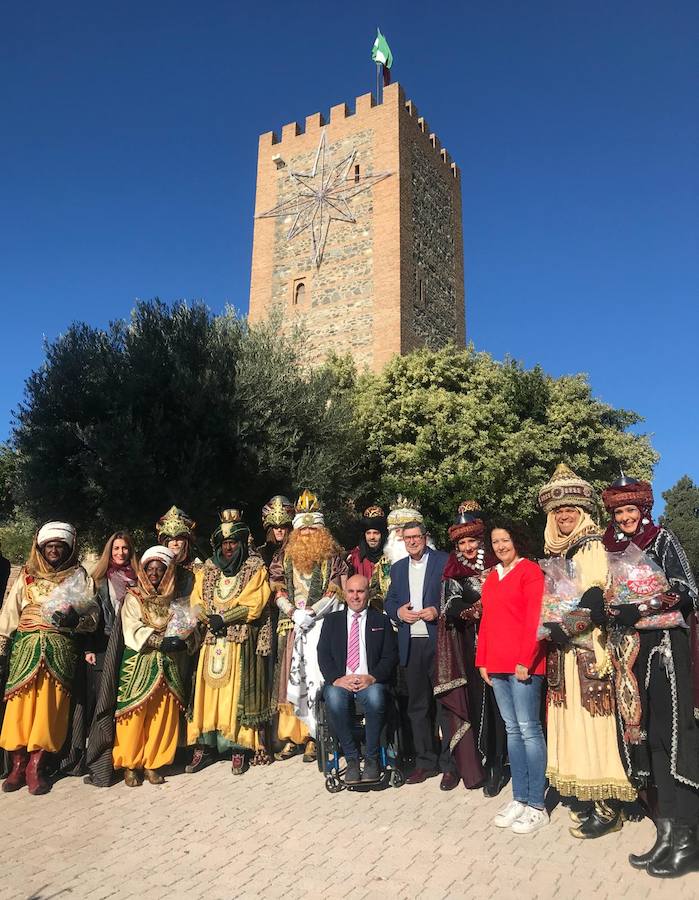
(398, 595)
(4, 576)
(381, 651)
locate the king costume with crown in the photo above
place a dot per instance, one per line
(307, 579)
(231, 706)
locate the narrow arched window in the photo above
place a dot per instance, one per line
(299, 292)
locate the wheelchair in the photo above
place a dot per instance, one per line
(329, 751)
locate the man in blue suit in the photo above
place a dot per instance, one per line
(357, 656)
(413, 602)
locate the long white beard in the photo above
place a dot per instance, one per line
(394, 548)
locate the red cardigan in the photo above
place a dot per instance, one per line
(511, 610)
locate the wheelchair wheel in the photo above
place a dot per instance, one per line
(333, 784)
(397, 778)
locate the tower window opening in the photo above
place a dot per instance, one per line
(299, 292)
(356, 174)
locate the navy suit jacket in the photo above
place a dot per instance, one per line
(381, 651)
(398, 594)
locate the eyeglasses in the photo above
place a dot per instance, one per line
(413, 537)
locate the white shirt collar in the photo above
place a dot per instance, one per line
(419, 562)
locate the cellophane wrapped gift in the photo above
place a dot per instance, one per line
(561, 593)
(75, 592)
(637, 579)
(183, 619)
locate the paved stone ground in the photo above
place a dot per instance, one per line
(276, 832)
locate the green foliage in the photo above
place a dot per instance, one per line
(8, 476)
(449, 424)
(180, 406)
(16, 536)
(177, 406)
(681, 501)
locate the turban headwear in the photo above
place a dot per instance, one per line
(567, 489)
(627, 491)
(468, 522)
(232, 528)
(374, 518)
(162, 554)
(56, 531)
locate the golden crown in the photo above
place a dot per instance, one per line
(307, 503)
(402, 502)
(230, 515)
(374, 512)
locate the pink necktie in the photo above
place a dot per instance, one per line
(353, 646)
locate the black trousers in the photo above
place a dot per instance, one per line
(423, 711)
(675, 800)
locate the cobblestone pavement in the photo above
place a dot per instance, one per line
(276, 832)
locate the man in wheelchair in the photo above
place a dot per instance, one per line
(357, 654)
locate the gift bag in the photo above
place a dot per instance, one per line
(561, 593)
(637, 579)
(183, 619)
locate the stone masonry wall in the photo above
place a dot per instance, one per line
(337, 307)
(434, 302)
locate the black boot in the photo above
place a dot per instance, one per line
(683, 855)
(580, 810)
(604, 819)
(661, 846)
(497, 779)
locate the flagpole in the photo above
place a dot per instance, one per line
(378, 70)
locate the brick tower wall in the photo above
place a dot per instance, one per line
(394, 280)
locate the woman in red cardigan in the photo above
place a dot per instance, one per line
(513, 661)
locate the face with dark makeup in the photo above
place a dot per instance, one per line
(55, 552)
(155, 570)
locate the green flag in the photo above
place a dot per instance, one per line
(381, 52)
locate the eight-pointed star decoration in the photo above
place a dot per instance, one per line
(322, 195)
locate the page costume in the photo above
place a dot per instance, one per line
(44, 691)
(471, 709)
(653, 671)
(151, 690)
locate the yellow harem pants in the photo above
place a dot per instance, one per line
(290, 727)
(147, 737)
(37, 717)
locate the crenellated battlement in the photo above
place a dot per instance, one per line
(364, 105)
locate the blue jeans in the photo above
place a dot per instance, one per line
(519, 703)
(340, 704)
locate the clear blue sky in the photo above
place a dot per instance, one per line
(128, 145)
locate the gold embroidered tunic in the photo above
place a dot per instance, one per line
(231, 694)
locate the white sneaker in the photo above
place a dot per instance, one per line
(509, 814)
(531, 820)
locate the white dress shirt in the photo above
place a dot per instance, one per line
(362, 670)
(417, 569)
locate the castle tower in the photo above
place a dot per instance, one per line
(358, 232)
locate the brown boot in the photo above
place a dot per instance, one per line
(154, 777)
(16, 779)
(132, 778)
(37, 782)
(310, 754)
